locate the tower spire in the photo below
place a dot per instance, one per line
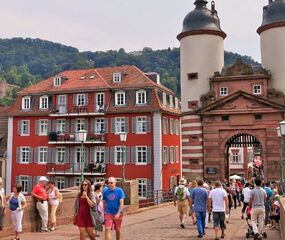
(200, 3)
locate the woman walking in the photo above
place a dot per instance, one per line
(2, 205)
(53, 201)
(16, 204)
(192, 185)
(99, 202)
(82, 210)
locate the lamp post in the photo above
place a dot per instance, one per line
(81, 137)
(123, 138)
(281, 133)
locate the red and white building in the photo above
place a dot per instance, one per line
(105, 102)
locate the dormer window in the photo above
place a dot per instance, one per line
(164, 101)
(141, 97)
(57, 81)
(224, 91)
(120, 98)
(171, 101)
(117, 77)
(26, 103)
(256, 89)
(44, 102)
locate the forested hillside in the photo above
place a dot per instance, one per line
(26, 61)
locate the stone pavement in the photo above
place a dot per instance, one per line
(156, 224)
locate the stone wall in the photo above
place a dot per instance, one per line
(31, 220)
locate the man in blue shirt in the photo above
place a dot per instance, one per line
(267, 202)
(200, 196)
(113, 202)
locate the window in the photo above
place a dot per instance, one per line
(24, 181)
(192, 76)
(177, 154)
(61, 103)
(223, 91)
(141, 155)
(225, 118)
(25, 155)
(141, 125)
(99, 155)
(192, 104)
(26, 103)
(80, 154)
(61, 126)
(44, 102)
(77, 182)
(57, 81)
(117, 77)
(25, 128)
(120, 125)
(177, 128)
(43, 127)
(171, 160)
(141, 97)
(235, 156)
(142, 187)
(258, 116)
(120, 152)
(120, 98)
(165, 125)
(60, 182)
(165, 155)
(100, 101)
(99, 125)
(60, 156)
(164, 101)
(81, 100)
(256, 89)
(172, 126)
(171, 104)
(42, 155)
(80, 124)
(176, 103)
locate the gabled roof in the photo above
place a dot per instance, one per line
(261, 101)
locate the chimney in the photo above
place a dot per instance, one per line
(155, 77)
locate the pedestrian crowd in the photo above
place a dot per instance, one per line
(207, 202)
(94, 207)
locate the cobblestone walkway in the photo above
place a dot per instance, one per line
(157, 224)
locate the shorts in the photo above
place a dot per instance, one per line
(183, 206)
(110, 222)
(219, 219)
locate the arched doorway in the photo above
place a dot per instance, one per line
(244, 156)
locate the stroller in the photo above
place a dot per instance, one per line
(250, 232)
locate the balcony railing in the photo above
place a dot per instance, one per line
(91, 169)
(66, 138)
(62, 110)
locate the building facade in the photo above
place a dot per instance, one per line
(45, 120)
(230, 112)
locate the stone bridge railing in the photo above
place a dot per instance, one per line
(282, 216)
(31, 220)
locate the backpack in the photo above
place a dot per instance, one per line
(180, 193)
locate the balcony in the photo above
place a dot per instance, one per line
(73, 169)
(66, 138)
(62, 111)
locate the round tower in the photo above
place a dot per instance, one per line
(201, 52)
(272, 36)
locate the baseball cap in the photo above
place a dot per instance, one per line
(43, 178)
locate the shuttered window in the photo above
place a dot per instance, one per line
(165, 155)
(24, 127)
(60, 155)
(142, 187)
(25, 155)
(25, 182)
(141, 155)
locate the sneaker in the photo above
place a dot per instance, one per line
(52, 229)
(44, 230)
(256, 236)
(223, 236)
(182, 225)
(199, 236)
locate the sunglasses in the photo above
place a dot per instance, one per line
(84, 184)
(110, 182)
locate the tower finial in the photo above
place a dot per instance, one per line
(200, 3)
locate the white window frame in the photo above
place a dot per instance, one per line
(57, 81)
(81, 99)
(99, 155)
(117, 77)
(60, 155)
(44, 102)
(142, 188)
(177, 127)
(120, 152)
(141, 97)
(257, 89)
(60, 182)
(224, 91)
(171, 104)
(24, 159)
(171, 126)
(99, 125)
(43, 127)
(42, 155)
(164, 101)
(171, 154)
(176, 103)
(24, 181)
(80, 152)
(141, 151)
(165, 125)
(80, 124)
(62, 103)
(61, 126)
(26, 124)
(141, 125)
(120, 125)
(164, 154)
(26, 103)
(100, 101)
(76, 181)
(120, 98)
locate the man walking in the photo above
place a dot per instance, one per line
(40, 194)
(218, 198)
(113, 203)
(181, 199)
(199, 196)
(269, 194)
(257, 201)
(246, 197)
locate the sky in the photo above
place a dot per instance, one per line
(99, 25)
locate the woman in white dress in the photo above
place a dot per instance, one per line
(53, 194)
